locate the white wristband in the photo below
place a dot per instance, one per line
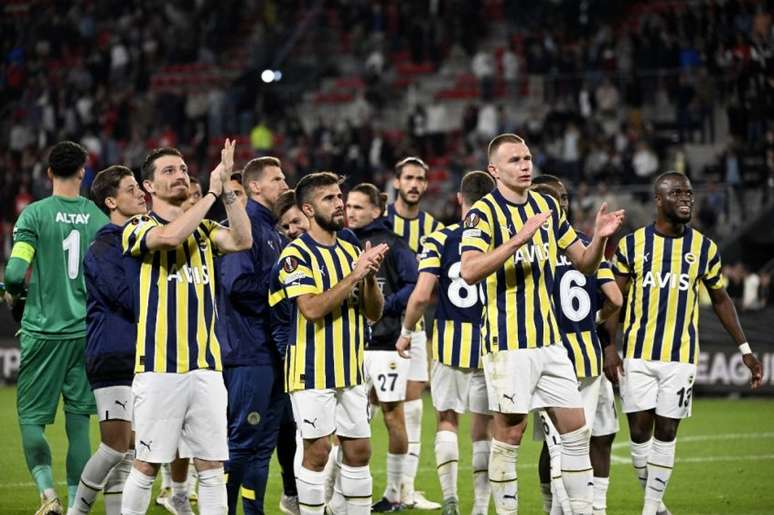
(406, 333)
(745, 348)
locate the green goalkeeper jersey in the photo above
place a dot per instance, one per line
(53, 235)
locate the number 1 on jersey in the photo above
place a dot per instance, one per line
(72, 247)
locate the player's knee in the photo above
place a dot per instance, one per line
(357, 452)
(448, 417)
(666, 430)
(316, 453)
(509, 428)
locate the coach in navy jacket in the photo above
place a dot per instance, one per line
(251, 363)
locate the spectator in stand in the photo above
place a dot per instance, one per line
(483, 67)
(510, 63)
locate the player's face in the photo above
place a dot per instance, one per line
(170, 180)
(271, 184)
(328, 207)
(194, 195)
(674, 199)
(360, 210)
(129, 199)
(293, 223)
(564, 198)
(239, 191)
(511, 164)
(411, 184)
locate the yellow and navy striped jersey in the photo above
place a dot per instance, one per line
(456, 328)
(412, 230)
(577, 298)
(175, 299)
(327, 353)
(518, 311)
(662, 308)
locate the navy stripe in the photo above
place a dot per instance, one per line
(457, 342)
(519, 290)
(682, 297)
(646, 267)
(171, 315)
(538, 267)
(346, 343)
(663, 297)
(152, 318)
(309, 366)
(632, 294)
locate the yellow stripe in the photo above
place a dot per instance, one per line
(247, 493)
(633, 320)
(413, 236)
(146, 270)
(181, 312)
(436, 342)
(580, 367)
(209, 258)
(23, 250)
(276, 297)
(656, 260)
(337, 345)
(465, 341)
(675, 262)
(587, 341)
(398, 226)
(691, 307)
(160, 339)
(448, 341)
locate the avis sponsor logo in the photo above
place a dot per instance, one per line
(189, 274)
(667, 280)
(532, 253)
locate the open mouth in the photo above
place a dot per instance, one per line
(684, 210)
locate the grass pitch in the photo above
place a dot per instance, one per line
(725, 463)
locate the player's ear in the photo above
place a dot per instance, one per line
(396, 182)
(50, 174)
(111, 203)
(307, 209)
(492, 169)
(459, 199)
(148, 186)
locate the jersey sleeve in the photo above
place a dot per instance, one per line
(211, 228)
(712, 278)
(25, 236)
(430, 257)
(477, 232)
(135, 234)
(621, 262)
(565, 234)
(604, 273)
(296, 273)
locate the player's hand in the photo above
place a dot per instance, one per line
(530, 227)
(370, 260)
(607, 224)
(755, 369)
(613, 366)
(227, 160)
(403, 346)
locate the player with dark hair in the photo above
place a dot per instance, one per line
(51, 236)
(331, 285)
(659, 269)
(194, 193)
(385, 371)
(412, 224)
(457, 380)
(291, 222)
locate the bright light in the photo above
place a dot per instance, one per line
(267, 76)
(277, 75)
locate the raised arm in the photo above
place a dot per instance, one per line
(587, 258)
(238, 235)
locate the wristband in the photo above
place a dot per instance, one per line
(211, 193)
(745, 348)
(406, 333)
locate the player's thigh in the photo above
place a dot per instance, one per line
(478, 399)
(114, 403)
(638, 386)
(387, 373)
(160, 405)
(42, 370)
(76, 390)
(511, 376)
(557, 384)
(606, 417)
(589, 388)
(352, 412)
(675, 389)
(418, 369)
(449, 388)
(204, 428)
(315, 412)
(248, 390)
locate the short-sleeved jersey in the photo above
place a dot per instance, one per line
(327, 353)
(56, 232)
(174, 299)
(412, 230)
(518, 311)
(662, 304)
(577, 298)
(456, 328)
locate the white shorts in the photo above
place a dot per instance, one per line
(664, 385)
(186, 411)
(387, 373)
(458, 389)
(319, 413)
(418, 369)
(606, 417)
(521, 380)
(114, 403)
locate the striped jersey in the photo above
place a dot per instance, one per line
(577, 298)
(327, 353)
(456, 328)
(518, 311)
(412, 230)
(175, 299)
(662, 304)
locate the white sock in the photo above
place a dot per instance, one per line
(413, 414)
(577, 474)
(166, 476)
(640, 452)
(600, 494)
(93, 477)
(502, 477)
(337, 504)
(394, 474)
(356, 486)
(311, 491)
(481, 490)
(179, 488)
(212, 492)
(545, 491)
(331, 470)
(114, 484)
(447, 457)
(660, 464)
(560, 501)
(191, 480)
(137, 493)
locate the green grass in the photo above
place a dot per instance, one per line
(725, 463)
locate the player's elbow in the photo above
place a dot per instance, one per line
(468, 271)
(616, 299)
(242, 241)
(14, 275)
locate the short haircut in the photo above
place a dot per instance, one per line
(546, 188)
(375, 197)
(501, 139)
(106, 184)
(475, 185)
(149, 164)
(236, 176)
(253, 170)
(410, 160)
(546, 178)
(671, 174)
(286, 200)
(194, 180)
(66, 158)
(309, 183)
